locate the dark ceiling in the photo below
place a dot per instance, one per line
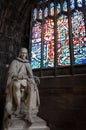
(15, 20)
(14, 12)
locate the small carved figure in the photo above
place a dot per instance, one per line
(22, 96)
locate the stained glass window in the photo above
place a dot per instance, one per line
(36, 45)
(64, 6)
(48, 44)
(72, 4)
(35, 14)
(40, 14)
(58, 37)
(63, 52)
(79, 3)
(85, 2)
(58, 8)
(42, 1)
(52, 9)
(78, 32)
(46, 12)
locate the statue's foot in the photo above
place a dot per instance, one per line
(16, 113)
(29, 119)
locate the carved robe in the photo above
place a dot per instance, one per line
(30, 100)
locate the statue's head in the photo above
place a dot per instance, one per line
(23, 54)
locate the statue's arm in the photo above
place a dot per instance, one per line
(37, 80)
(12, 72)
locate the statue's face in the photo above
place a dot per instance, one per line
(23, 55)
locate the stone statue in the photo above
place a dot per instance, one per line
(22, 96)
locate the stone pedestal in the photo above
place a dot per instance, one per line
(21, 124)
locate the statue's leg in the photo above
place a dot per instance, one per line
(17, 95)
(29, 100)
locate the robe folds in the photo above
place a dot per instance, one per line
(20, 71)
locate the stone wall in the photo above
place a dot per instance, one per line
(63, 102)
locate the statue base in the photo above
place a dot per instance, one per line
(21, 124)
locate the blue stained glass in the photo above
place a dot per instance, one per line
(72, 4)
(42, 1)
(35, 14)
(40, 14)
(36, 32)
(36, 46)
(46, 12)
(36, 56)
(65, 6)
(46, 0)
(79, 42)
(52, 9)
(79, 3)
(58, 10)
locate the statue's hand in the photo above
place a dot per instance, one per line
(37, 80)
(15, 78)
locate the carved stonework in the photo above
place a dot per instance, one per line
(20, 124)
(22, 97)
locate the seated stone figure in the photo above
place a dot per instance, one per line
(22, 97)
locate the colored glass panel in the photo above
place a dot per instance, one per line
(36, 56)
(48, 44)
(35, 14)
(63, 52)
(65, 6)
(85, 2)
(52, 9)
(36, 32)
(78, 32)
(46, 0)
(40, 14)
(36, 46)
(58, 8)
(79, 3)
(46, 12)
(42, 1)
(72, 4)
